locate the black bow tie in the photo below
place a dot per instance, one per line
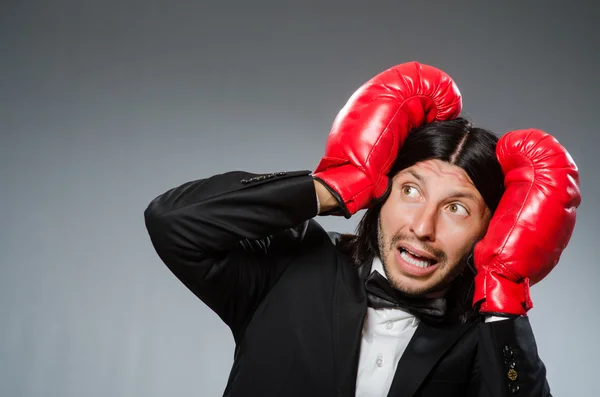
(381, 295)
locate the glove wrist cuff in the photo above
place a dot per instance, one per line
(351, 187)
(500, 296)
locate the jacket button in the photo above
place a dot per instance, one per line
(507, 351)
(515, 389)
(263, 177)
(512, 374)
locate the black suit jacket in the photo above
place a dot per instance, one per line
(247, 246)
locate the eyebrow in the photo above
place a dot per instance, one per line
(416, 175)
(457, 194)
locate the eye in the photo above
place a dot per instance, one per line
(409, 191)
(458, 209)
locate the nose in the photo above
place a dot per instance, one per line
(424, 222)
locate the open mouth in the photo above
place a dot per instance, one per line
(420, 259)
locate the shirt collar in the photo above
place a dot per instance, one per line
(378, 265)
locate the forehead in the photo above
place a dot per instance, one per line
(441, 173)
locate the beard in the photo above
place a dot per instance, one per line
(444, 276)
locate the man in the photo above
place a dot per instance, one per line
(396, 310)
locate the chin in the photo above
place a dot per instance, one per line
(409, 285)
(414, 289)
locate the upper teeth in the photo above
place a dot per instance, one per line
(413, 261)
(413, 253)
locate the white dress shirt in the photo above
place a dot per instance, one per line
(386, 333)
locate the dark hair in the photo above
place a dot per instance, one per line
(457, 142)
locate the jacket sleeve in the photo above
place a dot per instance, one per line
(507, 361)
(221, 236)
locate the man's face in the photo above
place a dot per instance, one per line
(429, 223)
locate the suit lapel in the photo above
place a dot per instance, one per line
(424, 350)
(349, 310)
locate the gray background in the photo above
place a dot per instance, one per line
(104, 105)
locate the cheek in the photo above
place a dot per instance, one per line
(394, 217)
(457, 238)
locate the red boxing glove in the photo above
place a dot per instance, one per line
(532, 224)
(370, 129)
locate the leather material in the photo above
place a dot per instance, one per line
(532, 224)
(370, 129)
